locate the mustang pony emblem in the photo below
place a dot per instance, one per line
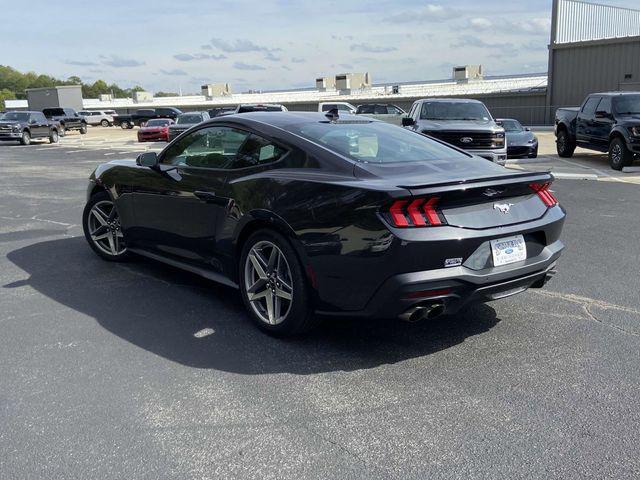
(503, 207)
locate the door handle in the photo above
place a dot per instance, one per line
(206, 196)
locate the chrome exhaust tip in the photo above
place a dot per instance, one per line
(421, 312)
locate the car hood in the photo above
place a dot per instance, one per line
(631, 120)
(182, 126)
(459, 125)
(519, 138)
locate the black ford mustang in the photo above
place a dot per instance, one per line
(309, 213)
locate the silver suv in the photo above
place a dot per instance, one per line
(98, 117)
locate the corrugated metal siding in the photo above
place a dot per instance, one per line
(584, 69)
(581, 21)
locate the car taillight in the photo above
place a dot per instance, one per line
(542, 189)
(420, 212)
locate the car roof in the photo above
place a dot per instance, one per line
(614, 94)
(281, 119)
(448, 100)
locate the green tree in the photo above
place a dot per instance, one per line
(6, 94)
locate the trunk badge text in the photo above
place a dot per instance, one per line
(503, 207)
(490, 192)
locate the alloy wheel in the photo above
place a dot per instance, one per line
(103, 225)
(616, 154)
(268, 282)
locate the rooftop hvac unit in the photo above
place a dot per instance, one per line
(326, 83)
(142, 97)
(467, 72)
(216, 90)
(345, 82)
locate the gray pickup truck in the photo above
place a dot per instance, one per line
(463, 123)
(606, 122)
(24, 126)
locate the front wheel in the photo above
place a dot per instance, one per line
(25, 139)
(619, 155)
(102, 229)
(273, 285)
(83, 129)
(53, 136)
(565, 145)
(104, 123)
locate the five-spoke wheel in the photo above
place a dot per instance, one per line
(102, 227)
(274, 286)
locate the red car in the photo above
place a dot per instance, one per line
(154, 130)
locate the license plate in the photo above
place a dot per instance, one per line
(508, 250)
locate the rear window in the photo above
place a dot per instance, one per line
(374, 142)
(158, 123)
(53, 112)
(189, 118)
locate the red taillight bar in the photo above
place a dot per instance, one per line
(421, 212)
(542, 189)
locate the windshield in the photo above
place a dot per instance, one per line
(182, 119)
(374, 142)
(20, 117)
(511, 126)
(454, 111)
(627, 104)
(157, 123)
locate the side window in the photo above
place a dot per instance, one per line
(380, 110)
(590, 105)
(212, 147)
(343, 108)
(605, 105)
(327, 106)
(257, 151)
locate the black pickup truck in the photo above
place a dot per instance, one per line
(68, 119)
(144, 115)
(25, 126)
(606, 122)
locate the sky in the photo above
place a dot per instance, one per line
(178, 45)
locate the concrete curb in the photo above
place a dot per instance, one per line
(524, 161)
(631, 170)
(575, 176)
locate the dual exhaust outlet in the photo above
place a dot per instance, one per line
(423, 312)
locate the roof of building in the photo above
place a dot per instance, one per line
(377, 93)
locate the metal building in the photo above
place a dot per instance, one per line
(67, 96)
(593, 48)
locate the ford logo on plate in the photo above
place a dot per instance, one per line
(466, 139)
(509, 251)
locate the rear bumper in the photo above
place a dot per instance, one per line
(158, 137)
(459, 286)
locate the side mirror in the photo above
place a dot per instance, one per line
(408, 122)
(147, 159)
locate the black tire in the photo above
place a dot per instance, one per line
(61, 132)
(26, 138)
(102, 198)
(124, 125)
(565, 144)
(300, 317)
(54, 137)
(619, 155)
(83, 129)
(104, 123)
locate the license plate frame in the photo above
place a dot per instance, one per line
(508, 250)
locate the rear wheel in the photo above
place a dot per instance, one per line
(104, 123)
(83, 129)
(26, 138)
(53, 136)
(102, 229)
(564, 144)
(124, 125)
(619, 155)
(273, 285)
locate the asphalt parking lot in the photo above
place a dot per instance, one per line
(141, 371)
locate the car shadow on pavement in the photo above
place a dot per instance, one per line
(201, 324)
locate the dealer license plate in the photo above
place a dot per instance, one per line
(508, 250)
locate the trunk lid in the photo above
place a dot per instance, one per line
(477, 197)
